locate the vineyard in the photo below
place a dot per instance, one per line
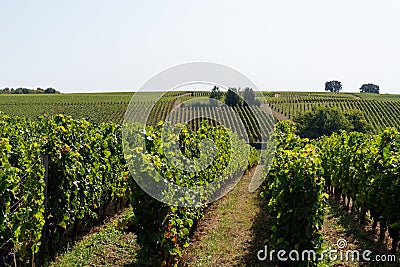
(57, 173)
(244, 123)
(86, 171)
(380, 111)
(61, 173)
(107, 107)
(97, 108)
(359, 170)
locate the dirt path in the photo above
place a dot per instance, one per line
(355, 96)
(279, 115)
(232, 232)
(340, 225)
(178, 100)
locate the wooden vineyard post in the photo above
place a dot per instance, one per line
(43, 245)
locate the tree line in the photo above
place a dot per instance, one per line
(235, 97)
(22, 90)
(336, 86)
(322, 121)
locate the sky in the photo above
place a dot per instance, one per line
(94, 45)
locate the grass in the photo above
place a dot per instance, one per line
(227, 236)
(111, 245)
(339, 224)
(231, 234)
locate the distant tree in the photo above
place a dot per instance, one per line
(232, 97)
(5, 91)
(18, 91)
(51, 91)
(216, 93)
(249, 96)
(23, 90)
(333, 86)
(369, 88)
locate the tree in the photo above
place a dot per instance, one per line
(369, 88)
(5, 91)
(216, 93)
(333, 86)
(18, 91)
(232, 97)
(51, 91)
(325, 121)
(249, 96)
(23, 90)
(357, 120)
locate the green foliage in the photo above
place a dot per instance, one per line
(380, 111)
(369, 88)
(333, 86)
(89, 158)
(86, 172)
(366, 169)
(254, 157)
(232, 97)
(94, 107)
(360, 167)
(28, 91)
(166, 228)
(216, 93)
(325, 121)
(293, 194)
(51, 91)
(321, 121)
(21, 187)
(357, 120)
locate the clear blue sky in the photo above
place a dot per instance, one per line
(88, 45)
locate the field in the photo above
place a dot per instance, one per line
(62, 175)
(380, 111)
